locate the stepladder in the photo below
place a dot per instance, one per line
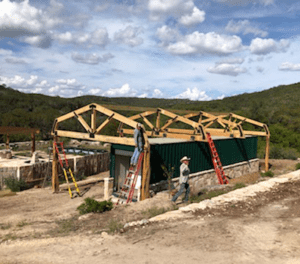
(63, 161)
(222, 179)
(127, 190)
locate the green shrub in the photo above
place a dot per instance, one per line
(114, 225)
(297, 166)
(239, 185)
(92, 206)
(15, 185)
(267, 174)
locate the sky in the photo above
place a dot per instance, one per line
(194, 49)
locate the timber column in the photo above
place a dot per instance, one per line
(146, 174)
(55, 183)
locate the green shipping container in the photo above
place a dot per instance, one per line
(168, 152)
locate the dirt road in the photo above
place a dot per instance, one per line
(264, 228)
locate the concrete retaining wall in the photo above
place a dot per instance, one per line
(35, 173)
(202, 179)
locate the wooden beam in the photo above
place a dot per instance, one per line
(87, 136)
(179, 118)
(7, 141)
(146, 174)
(93, 120)
(147, 113)
(158, 120)
(74, 113)
(196, 137)
(55, 182)
(148, 122)
(267, 153)
(247, 120)
(84, 123)
(104, 124)
(32, 143)
(117, 116)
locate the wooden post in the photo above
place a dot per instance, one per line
(267, 153)
(7, 141)
(93, 120)
(32, 143)
(158, 120)
(55, 183)
(146, 174)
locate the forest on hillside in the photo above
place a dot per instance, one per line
(277, 107)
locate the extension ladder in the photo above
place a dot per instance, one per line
(216, 161)
(130, 181)
(59, 147)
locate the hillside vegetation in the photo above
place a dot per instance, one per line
(277, 107)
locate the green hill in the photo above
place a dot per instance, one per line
(278, 107)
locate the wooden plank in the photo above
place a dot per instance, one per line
(117, 116)
(158, 120)
(148, 122)
(160, 134)
(93, 120)
(102, 138)
(74, 113)
(55, 183)
(267, 153)
(179, 118)
(17, 130)
(84, 124)
(104, 124)
(247, 120)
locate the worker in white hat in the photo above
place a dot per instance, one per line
(139, 144)
(183, 179)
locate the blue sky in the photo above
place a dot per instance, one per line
(199, 50)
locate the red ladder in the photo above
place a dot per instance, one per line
(59, 146)
(129, 183)
(216, 161)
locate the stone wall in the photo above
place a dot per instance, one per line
(35, 173)
(202, 179)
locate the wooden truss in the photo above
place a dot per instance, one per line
(165, 124)
(19, 130)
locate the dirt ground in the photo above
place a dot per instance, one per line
(37, 226)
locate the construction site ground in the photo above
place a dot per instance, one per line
(259, 223)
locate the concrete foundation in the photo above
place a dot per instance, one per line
(34, 173)
(202, 179)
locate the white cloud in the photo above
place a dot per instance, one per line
(124, 91)
(19, 19)
(231, 61)
(244, 26)
(221, 97)
(13, 60)
(245, 2)
(157, 93)
(94, 91)
(194, 95)
(196, 17)
(129, 36)
(41, 41)
(167, 35)
(288, 66)
(206, 43)
(18, 82)
(265, 46)
(4, 52)
(98, 37)
(227, 69)
(92, 59)
(184, 10)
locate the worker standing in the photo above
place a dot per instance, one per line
(139, 144)
(183, 180)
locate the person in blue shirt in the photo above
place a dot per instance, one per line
(139, 144)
